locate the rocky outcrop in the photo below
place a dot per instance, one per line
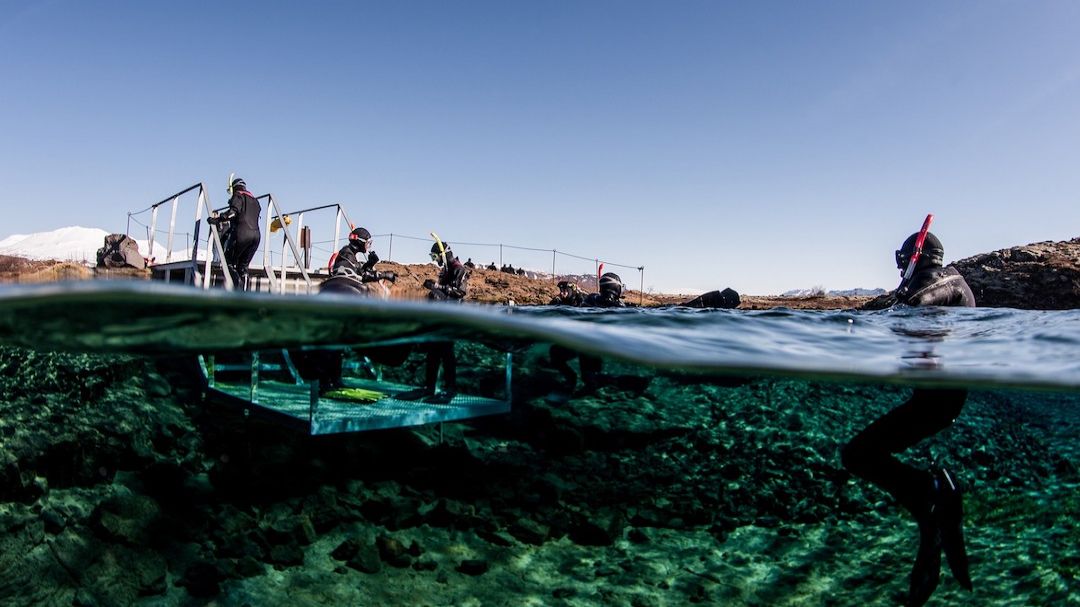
(1037, 276)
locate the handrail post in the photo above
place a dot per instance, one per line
(153, 230)
(172, 228)
(267, 260)
(284, 243)
(214, 239)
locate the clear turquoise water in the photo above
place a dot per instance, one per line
(760, 403)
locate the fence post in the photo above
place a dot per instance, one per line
(500, 256)
(553, 265)
(641, 291)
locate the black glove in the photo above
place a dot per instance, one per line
(429, 283)
(372, 258)
(391, 276)
(213, 220)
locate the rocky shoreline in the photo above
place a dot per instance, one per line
(1037, 276)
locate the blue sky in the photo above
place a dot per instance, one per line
(763, 146)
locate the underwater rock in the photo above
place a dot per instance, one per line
(291, 529)
(473, 567)
(392, 551)
(286, 555)
(202, 580)
(529, 531)
(127, 518)
(599, 528)
(346, 549)
(366, 559)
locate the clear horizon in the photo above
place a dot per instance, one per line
(764, 147)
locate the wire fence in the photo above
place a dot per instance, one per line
(539, 262)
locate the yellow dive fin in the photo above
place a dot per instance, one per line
(359, 395)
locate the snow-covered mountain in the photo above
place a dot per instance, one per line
(73, 243)
(843, 293)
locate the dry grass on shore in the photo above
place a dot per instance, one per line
(487, 286)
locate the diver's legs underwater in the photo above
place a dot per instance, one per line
(932, 497)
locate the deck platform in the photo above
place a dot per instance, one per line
(296, 405)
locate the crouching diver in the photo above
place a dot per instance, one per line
(352, 272)
(609, 296)
(352, 269)
(569, 295)
(450, 286)
(931, 496)
(244, 235)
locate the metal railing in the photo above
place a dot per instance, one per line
(213, 238)
(288, 245)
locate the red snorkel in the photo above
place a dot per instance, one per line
(915, 254)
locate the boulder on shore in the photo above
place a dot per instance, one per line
(1037, 276)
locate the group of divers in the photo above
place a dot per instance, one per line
(932, 496)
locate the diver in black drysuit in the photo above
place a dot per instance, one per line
(609, 296)
(450, 286)
(354, 266)
(932, 497)
(244, 235)
(351, 271)
(569, 295)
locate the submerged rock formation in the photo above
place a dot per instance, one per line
(122, 485)
(1037, 276)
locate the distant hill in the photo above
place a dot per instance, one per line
(74, 243)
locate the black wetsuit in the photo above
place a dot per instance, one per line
(451, 282)
(353, 268)
(576, 298)
(450, 286)
(561, 355)
(244, 234)
(871, 454)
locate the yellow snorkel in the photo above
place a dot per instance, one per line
(442, 249)
(228, 186)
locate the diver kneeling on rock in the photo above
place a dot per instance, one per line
(931, 496)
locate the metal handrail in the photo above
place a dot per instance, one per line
(272, 213)
(213, 238)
